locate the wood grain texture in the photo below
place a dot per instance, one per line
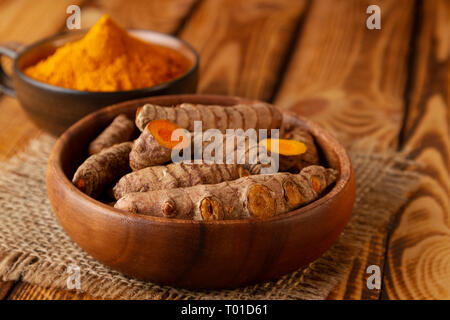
(419, 248)
(349, 78)
(28, 20)
(353, 287)
(242, 44)
(352, 81)
(15, 128)
(163, 16)
(26, 291)
(6, 288)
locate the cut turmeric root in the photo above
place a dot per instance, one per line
(292, 153)
(241, 116)
(284, 147)
(300, 161)
(251, 197)
(147, 153)
(103, 169)
(296, 151)
(120, 130)
(176, 175)
(154, 145)
(162, 130)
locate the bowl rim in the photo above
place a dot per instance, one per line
(344, 161)
(57, 89)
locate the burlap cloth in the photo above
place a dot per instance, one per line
(35, 248)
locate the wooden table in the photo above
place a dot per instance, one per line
(390, 86)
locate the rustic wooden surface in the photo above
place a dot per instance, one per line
(388, 86)
(418, 256)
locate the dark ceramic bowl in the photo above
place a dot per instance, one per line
(54, 109)
(196, 254)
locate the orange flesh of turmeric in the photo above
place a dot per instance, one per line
(109, 59)
(81, 184)
(286, 147)
(316, 184)
(162, 131)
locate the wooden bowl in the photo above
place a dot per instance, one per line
(54, 108)
(195, 254)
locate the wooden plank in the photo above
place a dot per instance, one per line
(163, 16)
(419, 247)
(5, 288)
(353, 286)
(28, 21)
(15, 128)
(26, 291)
(352, 81)
(242, 44)
(347, 77)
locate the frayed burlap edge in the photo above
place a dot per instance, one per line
(382, 187)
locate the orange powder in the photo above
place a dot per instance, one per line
(109, 59)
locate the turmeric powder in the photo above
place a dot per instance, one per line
(109, 59)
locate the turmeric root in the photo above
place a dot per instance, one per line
(102, 169)
(251, 197)
(241, 116)
(120, 130)
(176, 175)
(268, 152)
(300, 161)
(296, 151)
(154, 145)
(285, 147)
